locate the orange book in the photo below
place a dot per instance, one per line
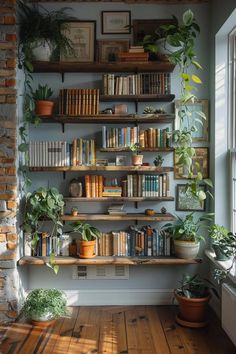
(44, 243)
(88, 186)
(100, 186)
(79, 101)
(74, 152)
(97, 102)
(93, 184)
(83, 101)
(96, 186)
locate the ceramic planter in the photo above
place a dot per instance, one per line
(43, 108)
(186, 249)
(43, 320)
(87, 249)
(137, 160)
(220, 256)
(41, 51)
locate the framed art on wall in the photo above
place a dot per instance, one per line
(190, 114)
(143, 27)
(82, 36)
(186, 201)
(109, 50)
(115, 22)
(200, 162)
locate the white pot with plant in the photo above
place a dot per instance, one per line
(137, 158)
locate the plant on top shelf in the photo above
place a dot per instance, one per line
(44, 204)
(137, 158)
(185, 232)
(89, 234)
(43, 106)
(158, 161)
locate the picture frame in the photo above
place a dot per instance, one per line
(108, 50)
(120, 160)
(144, 27)
(201, 157)
(202, 134)
(116, 22)
(185, 201)
(82, 35)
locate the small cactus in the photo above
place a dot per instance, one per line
(163, 210)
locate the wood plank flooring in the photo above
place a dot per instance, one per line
(117, 330)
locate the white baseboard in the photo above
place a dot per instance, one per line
(119, 297)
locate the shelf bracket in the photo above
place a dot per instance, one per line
(64, 174)
(136, 106)
(63, 127)
(62, 77)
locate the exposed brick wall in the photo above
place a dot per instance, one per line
(8, 152)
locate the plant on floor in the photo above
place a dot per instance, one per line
(44, 204)
(89, 234)
(44, 304)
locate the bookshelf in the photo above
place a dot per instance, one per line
(127, 217)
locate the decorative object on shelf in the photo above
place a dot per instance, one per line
(107, 111)
(150, 212)
(82, 35)
(199, 163)
(193, 296)
(137, 159)
(89, 234)
(43, 106)
(194, 115)
(163, 210)
(73, 248)
(74, 211)
(222, 242)
(109, 49)
(43, 306)
(186, 201)
(40, 35)
(185, 233)
(152, 110)
(120, 109)
(75, 188)
(116, 22)
(101, 162)
(158, 161)
(44, 204)
(120, 160)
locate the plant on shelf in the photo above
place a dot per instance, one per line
(221, 238)
(152, 110)
(89, 234)
(42, 34)
(74, 211)
(43, 306)
(43, 106)
(185, 232)
(137, 158)
(192, 296)
(43, 205)
(158, 161)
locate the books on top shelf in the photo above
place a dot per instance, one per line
(74, 102)
(136, 84)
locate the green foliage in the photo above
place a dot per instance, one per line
(187, 228)
(43, 92)
(158, 161)
(87, 232)
(135, 148)
(192, 286)
(41, 301)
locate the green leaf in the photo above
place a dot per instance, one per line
(197, 65)
(208, 181)
(23, 147)
(201, 195)
(188, 17)
(201, 114)
(185, 77)
(196, 79)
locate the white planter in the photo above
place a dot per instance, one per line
(41, 51)
(47, 316)
(186, 249)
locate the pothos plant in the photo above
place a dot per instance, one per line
(181, 37)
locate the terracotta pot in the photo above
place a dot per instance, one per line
(44, 108)
(192, 310)
(74, 213)
(137, 160)
(86, 249)
(186, 249)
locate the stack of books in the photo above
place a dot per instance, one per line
(112, 191)
(116, 209)
(74, 102)
(134, 56)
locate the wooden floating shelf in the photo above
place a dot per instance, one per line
(120, 149)
(39, 261)
(120, 199)
(110, 118)
(140, 98)
(128, 217)
(66, 67)
(102, 168)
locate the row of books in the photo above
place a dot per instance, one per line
(45, 245)
(136, 84)
(146, 186)
(136, 242)
(74, 102)
(119, 137)
(154, 137)
(62, 153)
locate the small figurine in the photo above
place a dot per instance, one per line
(163, 210)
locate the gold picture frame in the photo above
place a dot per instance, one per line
(108, 50)
(201, 158)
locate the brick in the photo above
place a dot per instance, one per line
(11, 37)
(10, 171)
(7, 91)
(3, 187)
(12, 314)
(11, 99)
(3, 238)
(7, 214)
(7, 45)
(6, 10)
(3, 206)
(11, 245)
(9, 142)
(2, 283)
(10, 83)
(3, 99)
(4, 306)
(9, 20)
(11, 229)
(11, 63)
(7, 124)
(10, 187)
(3, 64)
(6, 160)
(9, 264)
(11, 204)
(8, 256)
(5, 196)
(2, 171)
(12, 237)
(7, 72)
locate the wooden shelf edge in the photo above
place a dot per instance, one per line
(120, 199)
(129, 217)
(141, 98)
(160, 149)
(102, 168)
(39, 261)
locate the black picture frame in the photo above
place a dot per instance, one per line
(116, 22)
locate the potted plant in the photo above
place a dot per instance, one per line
(43, 106)
(137, 159)
(43, 306)
(220, 241)
(192, 296)
(44, 204)
(158, 161)
(41, 34)
(185, 233)
(74, 211)
(89, 234)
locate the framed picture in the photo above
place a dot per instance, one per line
(109, 50)
(143, 27)
(191, 116)
(200, 161)
(82, 35)
(115, 22)
(120, 160)
(185, 201)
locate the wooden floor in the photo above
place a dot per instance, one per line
(117, 329)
